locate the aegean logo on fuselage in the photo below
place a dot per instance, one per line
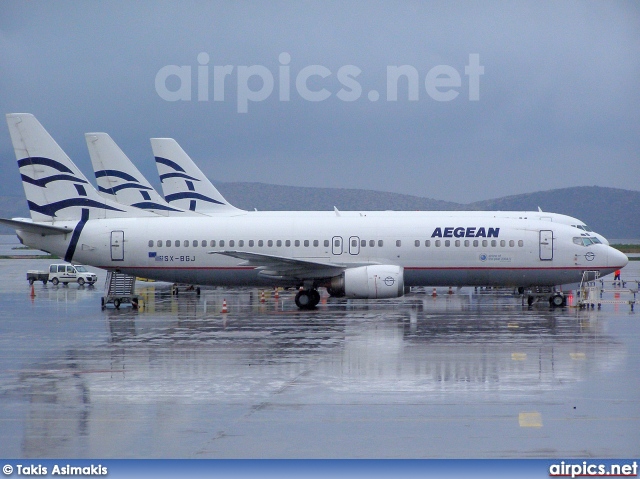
(470, 232)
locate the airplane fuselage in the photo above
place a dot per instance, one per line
(447, 251)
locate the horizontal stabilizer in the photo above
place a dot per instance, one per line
(23, 224)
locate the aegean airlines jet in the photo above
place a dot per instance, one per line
(357, 256)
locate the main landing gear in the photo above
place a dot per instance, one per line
(556, 299)
(307, 298)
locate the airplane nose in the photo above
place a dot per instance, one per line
(616, 258)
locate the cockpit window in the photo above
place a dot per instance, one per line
(585, 241)
(596, 240)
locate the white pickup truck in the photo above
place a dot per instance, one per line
(63, 273)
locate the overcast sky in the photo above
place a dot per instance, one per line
(554, 102)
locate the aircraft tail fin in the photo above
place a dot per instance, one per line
(120, 181)
(183, 183)
(54, 186)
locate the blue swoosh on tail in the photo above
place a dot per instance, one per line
(52, 208)
(190, 195)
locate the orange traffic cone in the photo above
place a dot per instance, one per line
(450, 290)
(33, 291)
(224, 307)
(434, 294)
(276, 295)
(262, 297)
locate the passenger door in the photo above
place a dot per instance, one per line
(336, 245)
(117, 245)
(354, 245)
(546, 245)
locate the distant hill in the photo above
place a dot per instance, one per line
(612, 212)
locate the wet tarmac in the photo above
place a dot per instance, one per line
(467, 375)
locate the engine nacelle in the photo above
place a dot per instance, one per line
(370, 282)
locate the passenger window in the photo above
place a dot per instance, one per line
(185, 243)
(494, 243)
(457, 243)
(222, 243)
(287, 243)
(270, 243)
(475, 243)
(520, 243)
(177, 243)
(279, 243)
(417, 243)
(484, 243)
(372, 243)
(336, 243)
(427, 243)
(212, 243)
(503, 243)
(306, 243)
(168, 243)
(354, 243)
(260, 243)
(511, 243)
(194, 243)
(241, 243)
(363, 243)
(204, 243)
(326, 243)
(297, 243)
(232, 243)
(466, 243)
(437, 243)
(398, 243)
(447, 243)
(150, 243)
(316, 243)
(380, 243)
(159, 243)
(250, 243)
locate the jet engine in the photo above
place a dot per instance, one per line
(369, 282)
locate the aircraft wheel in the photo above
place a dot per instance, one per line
(557, 301)
(304, 299)
(55, 281)
(315, 297)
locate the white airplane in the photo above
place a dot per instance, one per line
(367, 257)
(181, 179)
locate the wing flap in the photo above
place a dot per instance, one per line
(281, 266)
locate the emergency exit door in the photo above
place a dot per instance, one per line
(117, 246)
(546, 245)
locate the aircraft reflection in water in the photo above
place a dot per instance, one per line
(165, 366)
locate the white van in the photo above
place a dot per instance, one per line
(67, 273)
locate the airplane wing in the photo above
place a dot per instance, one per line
(285, 267)
(40, 228)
